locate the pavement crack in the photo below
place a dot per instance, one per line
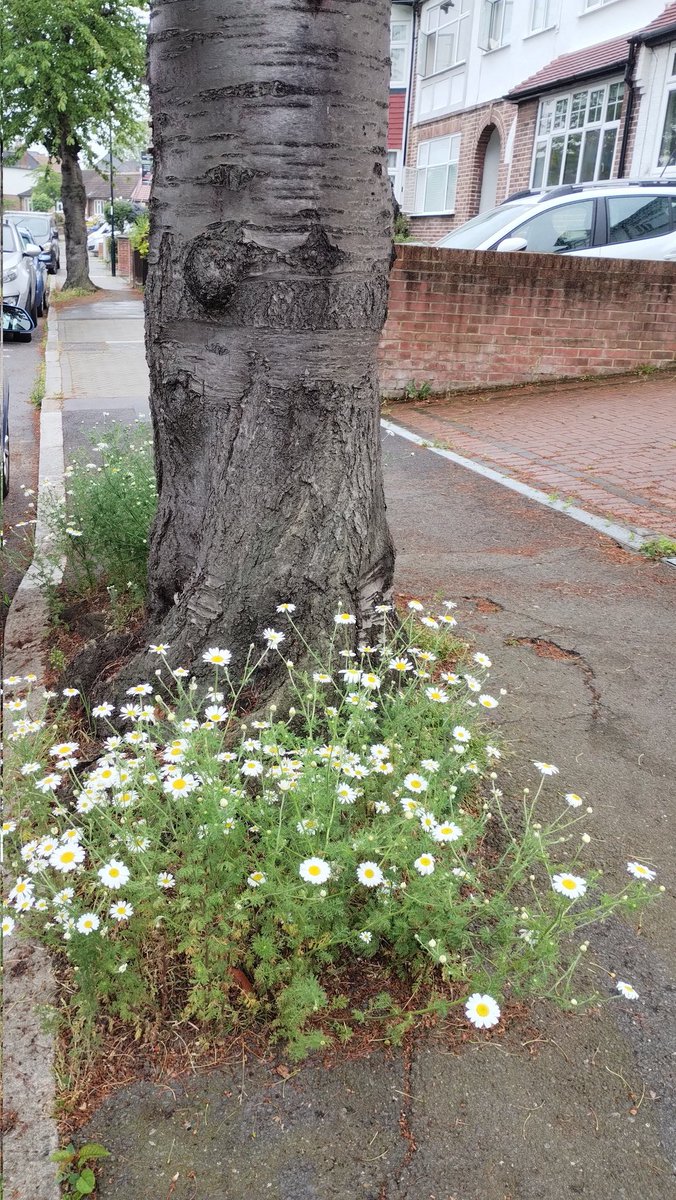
(545, 648)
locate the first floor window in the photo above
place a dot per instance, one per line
(541, 15)
(444, 38)
(437, 175)
(576, 135)
(99, 206)
(399, 43)
(496, 24)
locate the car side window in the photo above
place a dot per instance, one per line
(559, 230)
(633, 217)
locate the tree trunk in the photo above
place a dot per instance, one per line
(74, 200)
(267, 292)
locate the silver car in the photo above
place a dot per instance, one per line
(19, 284)
(616, 219)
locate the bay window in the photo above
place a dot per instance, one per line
(667, 150)
(576, 135)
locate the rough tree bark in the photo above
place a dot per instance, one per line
(74, 200)
(267, 292)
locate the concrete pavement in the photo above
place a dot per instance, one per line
(581, 635)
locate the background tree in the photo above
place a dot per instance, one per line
(47, 190)
(72, 71)
(271, 225)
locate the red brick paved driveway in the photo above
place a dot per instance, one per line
(608, 446)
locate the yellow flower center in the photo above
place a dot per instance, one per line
(314, 870)
(114, 872)
(369, 873)
(67, 856)
(568, 883)
(482, 1010)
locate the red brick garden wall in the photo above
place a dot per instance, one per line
(463, 318)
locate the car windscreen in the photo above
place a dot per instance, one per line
(474, 232)
(39, 227)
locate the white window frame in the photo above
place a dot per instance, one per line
(548, 19)
(405, 45)
(592, 5)
(457, 19)
(495, 24)
(564, 129)
(99, 208)
(670, 90)
(449, 160)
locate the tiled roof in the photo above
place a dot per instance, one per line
(98, 187)
(664, 24)
(594, 60)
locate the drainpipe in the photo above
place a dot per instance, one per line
(409, 95)
(629, 112)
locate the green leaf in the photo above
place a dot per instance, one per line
(92, 1150)
(63, 1156)
(87, 1182)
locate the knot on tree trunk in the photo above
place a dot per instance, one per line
(216, 262)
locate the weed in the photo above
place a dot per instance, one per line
(38, 391)
(417, 391)
(659, 547)
(57, 659)
(73, 1171)
(61, 295)
(211, 870)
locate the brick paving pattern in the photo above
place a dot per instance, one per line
(609, 447)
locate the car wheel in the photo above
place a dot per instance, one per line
(33, 311)
(40, 305)
(22, 337)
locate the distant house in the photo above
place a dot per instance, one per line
(126, 177)
(498, 96)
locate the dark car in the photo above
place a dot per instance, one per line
(41, 289)
(45, 234)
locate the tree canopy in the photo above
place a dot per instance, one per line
(70, 68)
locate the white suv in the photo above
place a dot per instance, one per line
(611, 220)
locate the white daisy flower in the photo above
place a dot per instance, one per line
(114, 874)
(64, 749)
(314, 870)
(216, 713)
(483, 660)
(286, 608)
(256, 878)
(437, 695)
(416, 606)
(87, 923)
(429, 622)
(251, 767)
(415, 783)
(370, 874)
(487, 701)
(482, 1011)
(472, 683)
(140, 689)
(528, 936)
(370, 681)
(64, 896)
(571, 886)
(346, 794)
(121, 910)
(160, 648)
(410, 806)
(345, 618)
(546, 768)
(447, 831)
(493, 752)
(165, 879)
(573, 799)
(400, 664)
(381, 806)
(219, 658)
(321, 677)
(626, 990)
(7, 926)
(461, 734)
(69, 691)
(424, 865)
(273, 637)
(67, 858)
(640, 872)
(365, 936)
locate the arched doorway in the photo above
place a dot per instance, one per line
(489, 174)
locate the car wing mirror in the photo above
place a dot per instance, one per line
(30, 250)
(16, 320)
(511, 244)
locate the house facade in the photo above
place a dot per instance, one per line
(504, 95)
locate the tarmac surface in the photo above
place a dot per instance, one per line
(581, 636)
